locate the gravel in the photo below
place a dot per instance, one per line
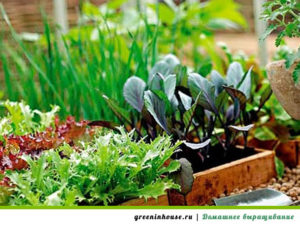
(288, 184)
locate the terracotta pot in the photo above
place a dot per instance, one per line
(284, 88)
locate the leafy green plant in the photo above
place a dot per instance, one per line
(29, 132)
(192, 108)
(279, 167)
(109, 170)
(71, 73)
(176, 26)
(284, 15)
(21, 120)
(106, 47)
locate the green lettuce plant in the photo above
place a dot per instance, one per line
(109, 170)
(21, 119)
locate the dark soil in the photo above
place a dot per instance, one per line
(216, 156)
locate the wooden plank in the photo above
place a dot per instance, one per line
(288, 152)
(22, 12)
(250, 171)
(160, 201)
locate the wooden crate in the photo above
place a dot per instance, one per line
(250, 171)
(289, 153)
(160, 201)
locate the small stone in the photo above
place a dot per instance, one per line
(242, 191)
(222, 195)
(236, 190)
(287, 170)
(292, 193)
(277, 186)
(283, 189)
(263, 185)
(231, 194)
(250, 188)
(294, 198)
(273, 180)
(288, 185)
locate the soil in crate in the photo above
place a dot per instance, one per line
(214, 157)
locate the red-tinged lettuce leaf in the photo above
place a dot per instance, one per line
(15, 147)
(184, 177)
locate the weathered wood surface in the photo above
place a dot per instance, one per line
(251, 171)
(25, 15)
(289, 153)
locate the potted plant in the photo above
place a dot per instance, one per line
(207, 115)
(284, 75)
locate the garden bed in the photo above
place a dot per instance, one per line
(288, 152)
(225, 178)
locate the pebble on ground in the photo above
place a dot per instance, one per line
(289, 184)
